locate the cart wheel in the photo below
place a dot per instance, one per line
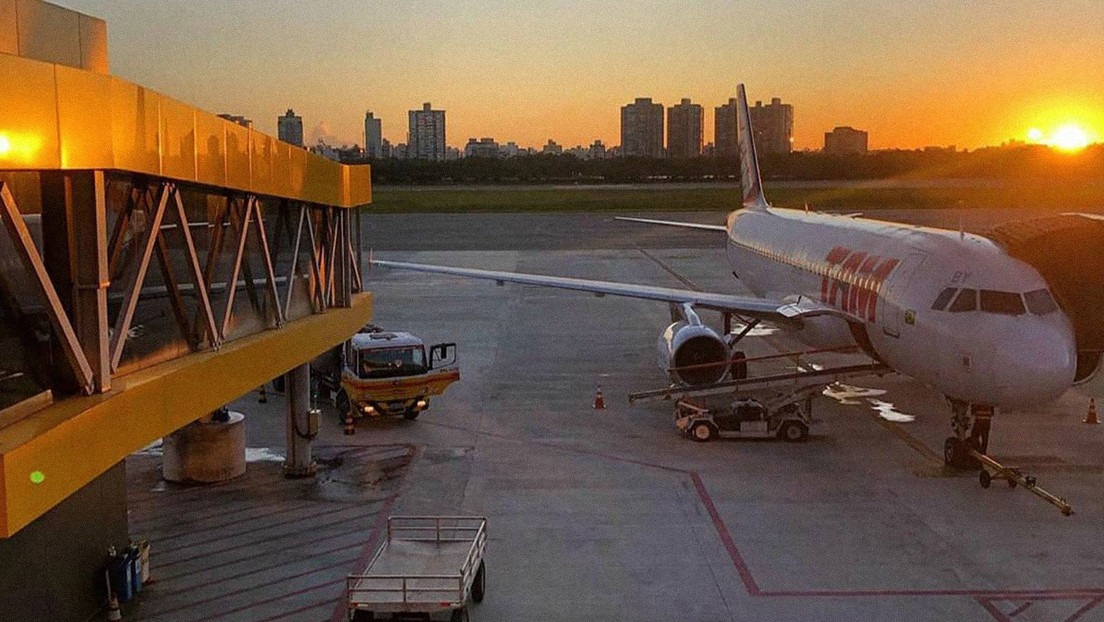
(479, 586)
(342, 403)
(460, 615)
(984, 478)
(1011, 483)
(411, 415)
(794, 432)
(702, 431)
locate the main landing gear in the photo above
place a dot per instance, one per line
(971, 423)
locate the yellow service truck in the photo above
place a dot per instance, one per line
(390, 373)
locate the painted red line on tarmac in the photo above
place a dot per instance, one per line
(1089, 606)
(194, 529)
(295, 559)
(236, 534)
(726, 538)
(317, 605)
(174, 562)
(204, 601)
(1018, 610)
(299, 545)
(341, 610)
(218, 512)
(306, 590)
(1010, 594)
(992, 610)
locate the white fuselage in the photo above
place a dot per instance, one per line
(884, 278)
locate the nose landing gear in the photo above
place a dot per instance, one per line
(971, 423)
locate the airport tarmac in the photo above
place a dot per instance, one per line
(613, 515)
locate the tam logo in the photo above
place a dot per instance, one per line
(853, 281)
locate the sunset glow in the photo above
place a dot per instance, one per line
(914, 74)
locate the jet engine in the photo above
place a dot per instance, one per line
(690, 352)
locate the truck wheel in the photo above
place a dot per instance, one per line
(460, 615)
(794, 432)
(411, 415)
(702, 431)
(479, 586)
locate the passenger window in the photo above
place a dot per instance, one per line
(966, 301)
(1040, 302)
(944, 297)
(1005, 303)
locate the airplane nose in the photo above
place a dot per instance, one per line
(1042, 365)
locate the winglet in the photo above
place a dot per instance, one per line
(750, 179)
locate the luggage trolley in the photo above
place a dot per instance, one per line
(427, 565)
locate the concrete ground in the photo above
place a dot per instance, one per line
(611, 514)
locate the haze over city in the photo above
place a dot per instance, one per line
(911, 73)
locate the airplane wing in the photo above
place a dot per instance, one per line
(776, 310)
(671, 223)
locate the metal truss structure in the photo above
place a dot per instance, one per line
(221, 255)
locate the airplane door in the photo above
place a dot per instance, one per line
(894, 312)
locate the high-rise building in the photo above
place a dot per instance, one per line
(427, 134)
(373, 136)
(551, 148)
(684, 130)
(845, 140)
(724, 130)
(773, 126)
(289, 128)
(642, 128)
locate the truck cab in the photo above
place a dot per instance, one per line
(391, 373)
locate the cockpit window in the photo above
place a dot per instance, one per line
(966, 301)
(944, 297)
(1040, 302)
(1005, 303)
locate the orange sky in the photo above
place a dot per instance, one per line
(912, 73)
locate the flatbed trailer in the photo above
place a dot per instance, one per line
(427, 565)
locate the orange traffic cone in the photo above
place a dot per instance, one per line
(350, 427)
(1091, 417)
(599, 402)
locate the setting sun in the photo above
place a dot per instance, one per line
(1070, 137)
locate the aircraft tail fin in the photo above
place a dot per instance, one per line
(750, 180)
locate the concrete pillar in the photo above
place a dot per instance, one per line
(206, 451)
(302, 424)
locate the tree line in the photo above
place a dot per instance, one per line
(1020, 161)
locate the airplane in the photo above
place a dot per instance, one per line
(954, 310)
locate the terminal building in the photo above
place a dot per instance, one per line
(146, 281)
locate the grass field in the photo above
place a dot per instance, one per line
(1057, 195)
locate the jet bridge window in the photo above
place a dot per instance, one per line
(1040, 302)
(1004, 303)
(944, 297)
(966, 301)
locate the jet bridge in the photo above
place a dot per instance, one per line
(1066, 249)
(156, 262)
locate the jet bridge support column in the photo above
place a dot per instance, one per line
(302, 424)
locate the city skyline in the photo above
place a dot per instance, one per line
(912, 74)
